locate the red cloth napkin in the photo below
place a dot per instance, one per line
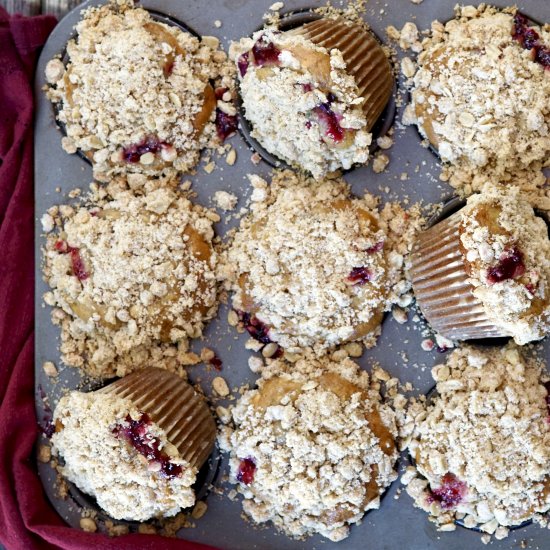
(27, 521)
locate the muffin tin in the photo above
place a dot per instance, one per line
(411, 175)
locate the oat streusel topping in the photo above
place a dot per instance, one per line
(482, 100)
(315, 265)
(105, 465)
(482, 444)
(507, 252)
(303, 105)
(312, 448)
(136, 93)
(130, 273)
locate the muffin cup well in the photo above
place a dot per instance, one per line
(364, 57)
(174, 406)
(441, 286)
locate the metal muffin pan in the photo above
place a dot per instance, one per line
(397, 524)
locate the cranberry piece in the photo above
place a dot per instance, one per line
(530, 40)
(308, 124)
(78, 266)
(331, 121)
(218, 92)
(450, 493)
(225, 124)
(135, 432)
(61, 246)
(360, 276)
(530, 288)
(151, 144)
(258, 330)
(307, 87)
(265, 52)
(216, 362)
(509, 266)
(47, 426)
(542, 56)
(247, 469)
(376, 248)
(242, 63)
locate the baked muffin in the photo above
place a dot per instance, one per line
(312, 448)
(485, 271)
(123, 446)
(313, 266)
(480, 95)
(303, 102)
(132, 271)
(482, 445)
(138, 95)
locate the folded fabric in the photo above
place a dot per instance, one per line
(27, 520)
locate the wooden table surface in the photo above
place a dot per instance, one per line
(35, 7)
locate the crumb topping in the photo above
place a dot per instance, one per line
(315, 266)
(481, 99)
(507, 253)
(130, 272)
(303, 105)
(482, 444)
(312, 448)
(126, 482)
(138, 95)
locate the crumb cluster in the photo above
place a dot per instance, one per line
(481, 100)
(302, 104)
(315, 265)
(481, 445)
(137, 94)
(499, 226)
(124, 483)
(312, 448)
(130, 272)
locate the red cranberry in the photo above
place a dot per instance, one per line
(265, 52)
(151, 144)
(450, 493)
(308, 124)
(542, 56)
(242, 63)
(61, 246)
(218, 92)
(510, 266)
(331, 121)
(307, 87)
(136, 433)
(258, 330)
(530, 40)
(216, 362)
(247, 469)
(79, 268)
(530, 288)
(226, 125)
(47, 426)
(376, 248)
(359, 275)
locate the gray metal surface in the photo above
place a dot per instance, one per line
(397, 524)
